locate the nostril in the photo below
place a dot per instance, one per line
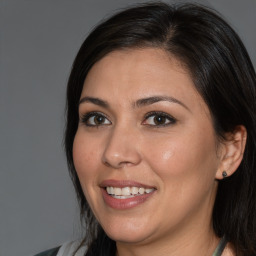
(105, 162)
(118, 165)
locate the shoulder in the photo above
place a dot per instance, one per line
(67, 249)
(51, 252)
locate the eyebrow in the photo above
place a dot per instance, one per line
(95, 101)
(154, 99)
(139, 103)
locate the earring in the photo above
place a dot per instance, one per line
(224, 174)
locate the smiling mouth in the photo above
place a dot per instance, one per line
(127, 192)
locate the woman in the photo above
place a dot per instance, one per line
(161, 135)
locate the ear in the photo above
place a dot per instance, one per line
(232, 152)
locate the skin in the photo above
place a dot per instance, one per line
(182, 159)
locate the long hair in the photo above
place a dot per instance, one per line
(223, 75)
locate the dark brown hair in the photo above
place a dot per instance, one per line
(223, 75)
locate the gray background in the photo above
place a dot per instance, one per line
(39, 40)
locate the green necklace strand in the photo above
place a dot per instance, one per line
(220, 248)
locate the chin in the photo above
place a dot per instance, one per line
(128, 231)
(132, 237)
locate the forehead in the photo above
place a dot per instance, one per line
(138, 73)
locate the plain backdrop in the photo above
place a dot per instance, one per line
(39, 40)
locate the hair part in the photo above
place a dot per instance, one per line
(223, 75)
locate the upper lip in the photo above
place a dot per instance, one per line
(123, 183)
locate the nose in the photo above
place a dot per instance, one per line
(122, 149)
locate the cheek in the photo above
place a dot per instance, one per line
(186, 173)
(86, 161)
(181, 156)
(86, 157)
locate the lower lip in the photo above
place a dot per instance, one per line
(123, 204)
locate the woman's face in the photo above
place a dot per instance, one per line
(145, 150)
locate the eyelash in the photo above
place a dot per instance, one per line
(85, 119)
(170, 120)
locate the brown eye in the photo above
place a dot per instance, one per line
(95, 119)
(99, 120)
(159, 119)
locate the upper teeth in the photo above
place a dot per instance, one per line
(128, 191)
